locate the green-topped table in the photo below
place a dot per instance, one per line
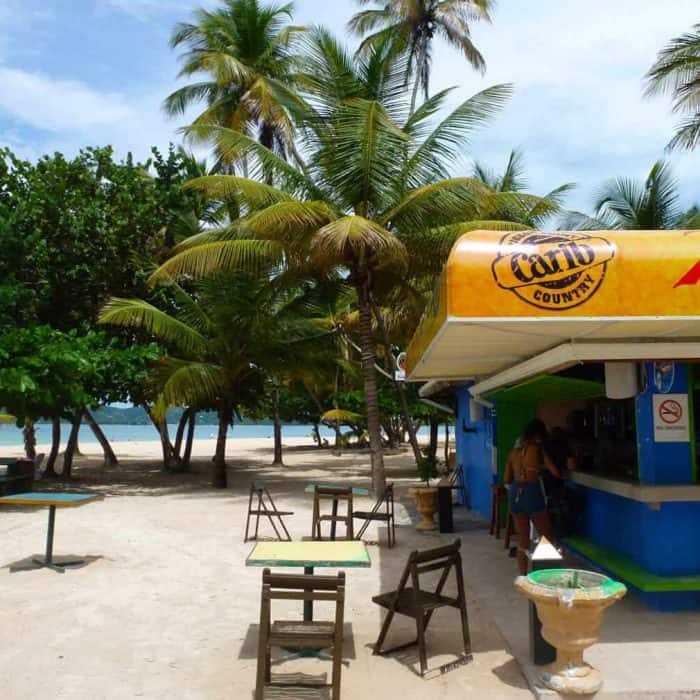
(310, 555)
(356, 490)
(53, 501)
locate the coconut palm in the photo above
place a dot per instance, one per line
(623, 203)
(677, 71)
(374, 175)
(221, 337)
(414, 24)
(239, 50)
(518, 206)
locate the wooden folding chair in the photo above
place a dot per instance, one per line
(334, 494)
(377, 515)
(298, 634)
(457, 481)
(265, 506)
(420, 604)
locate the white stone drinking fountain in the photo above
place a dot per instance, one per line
(570, 604)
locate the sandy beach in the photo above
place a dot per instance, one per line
(166, 608)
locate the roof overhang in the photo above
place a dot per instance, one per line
(570, 354)
(505, 299)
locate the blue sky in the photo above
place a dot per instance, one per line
(93, 72)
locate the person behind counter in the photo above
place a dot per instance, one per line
(525, 495)
(558, 447)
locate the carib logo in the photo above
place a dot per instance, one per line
(553, 271)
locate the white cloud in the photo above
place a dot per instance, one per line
(578, 109)
(47, 115)
(58, 105)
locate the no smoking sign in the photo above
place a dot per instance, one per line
(671, 418)
(670, 412)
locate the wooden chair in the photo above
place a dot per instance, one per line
(323, 494)
(376, 515)
(420, 604)
(456, 478)
(510, 530)
(265, 506)
(299, 634)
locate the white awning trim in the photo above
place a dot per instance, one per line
(570, 354)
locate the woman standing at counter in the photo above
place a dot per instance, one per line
(525, 496)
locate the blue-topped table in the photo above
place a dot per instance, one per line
(53, 501)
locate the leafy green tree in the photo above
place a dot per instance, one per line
(239, 51)
(375, 177)
(677, 71)
(623, 203)
(45, 373)
(415, 24)
(75, 231)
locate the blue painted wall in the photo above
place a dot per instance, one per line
(474, 442)
(661, 462)
(665, 542)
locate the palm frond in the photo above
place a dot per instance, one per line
(224, 187)
(216, 256)
(135, 313)
(440, 149)
(354, 238)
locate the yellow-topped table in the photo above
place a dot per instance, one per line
(309, 555)
(53, 501)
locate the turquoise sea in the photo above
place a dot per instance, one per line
(11, 436)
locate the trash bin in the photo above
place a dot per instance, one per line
(544, 556)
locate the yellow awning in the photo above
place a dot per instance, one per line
(503, 298)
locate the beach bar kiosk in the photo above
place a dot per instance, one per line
(598, 334)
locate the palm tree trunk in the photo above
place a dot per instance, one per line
(370, 384)
(50, 470)
(110, 459)
(219, 473)
(401, 390)
(179, 435)
(72, 446)
(433, 444)
(29, 435)
(277, 458)
(187, 456)
(162, 427)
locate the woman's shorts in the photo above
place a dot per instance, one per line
(526, 498)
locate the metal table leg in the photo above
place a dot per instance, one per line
(48, 559)
(308, 604)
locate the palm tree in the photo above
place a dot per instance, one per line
(414, 24)
(623, 203)
(206, 368)
(510, 202)
(240, 50)
(374, 174)
(223, 336)
(677, 71)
